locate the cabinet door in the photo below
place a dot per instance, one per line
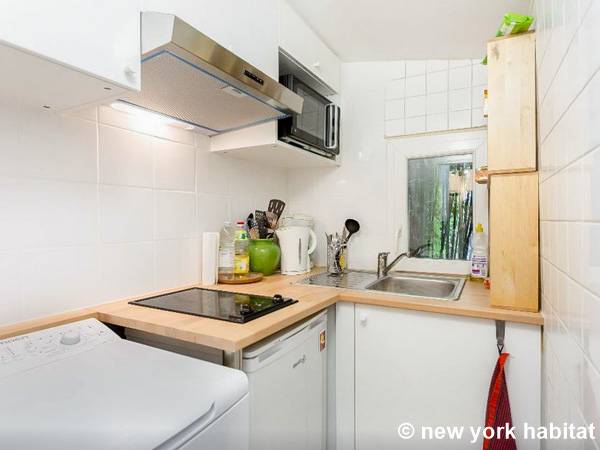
(514, 241)
(249, 29)
(511, 104)
(99, 38)
(303, 44)
(434, 370)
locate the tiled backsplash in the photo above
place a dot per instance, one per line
(93, 211)
(568, 33)
(434, 95)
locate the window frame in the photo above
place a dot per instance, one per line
(400, 150)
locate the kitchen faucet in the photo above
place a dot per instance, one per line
(383, 267)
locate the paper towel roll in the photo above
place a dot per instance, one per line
(210, 258)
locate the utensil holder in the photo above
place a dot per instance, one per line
(337, 254)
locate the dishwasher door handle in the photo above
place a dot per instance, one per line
(300, 361)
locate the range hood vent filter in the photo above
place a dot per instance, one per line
(188, 76)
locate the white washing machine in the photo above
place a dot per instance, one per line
(80, 386)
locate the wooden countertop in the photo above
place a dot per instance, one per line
(473, 302)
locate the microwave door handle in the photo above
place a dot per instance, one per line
(328, 141)
(335, 127)
(326, 126)
(331, 118)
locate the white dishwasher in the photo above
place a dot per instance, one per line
(80, 386)
(288, 388)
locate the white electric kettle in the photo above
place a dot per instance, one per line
(296, 244)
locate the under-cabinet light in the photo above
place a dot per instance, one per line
(150, 115)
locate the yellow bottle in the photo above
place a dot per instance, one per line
(241, 257)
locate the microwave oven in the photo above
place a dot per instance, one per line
(317, 128)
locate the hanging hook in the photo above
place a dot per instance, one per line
(500, 331)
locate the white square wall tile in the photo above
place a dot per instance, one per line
(459, 78)
(459, 99)
(437, 82)
(126, 270)
(437, 103)
(212, 172)
(590, 186)
(416, 67)
(11, 299)
(175, 166)
(479, 75)
(395, 89)
(396, 69)
(591, 325)
(477, 96)
(177, 263)
(416, 125)
(590, 264)
(477, 118)
(394, 127)
(460, 119)
(242, 205)
(453, 63)
(394, 109)
(437, 122)
(44, 144)
(415, 86)
(175, 215)
(65, 279)
(416, 106)
(126, 157)
(126, 214)
(40, 213)
(437, 65)
(590, 393)
(213, 211)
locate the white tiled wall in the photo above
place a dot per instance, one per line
(568, 36)
(434, 95)
(364, 186)
(93, 210)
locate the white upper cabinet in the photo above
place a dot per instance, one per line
(303, 44)
(68, 53)
(248, 29)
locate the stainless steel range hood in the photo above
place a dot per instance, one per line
(188, 76)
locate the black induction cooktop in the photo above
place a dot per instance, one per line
(222, 305)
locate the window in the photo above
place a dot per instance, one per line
(440, 206)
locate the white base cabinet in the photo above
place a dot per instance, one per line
(428, 370)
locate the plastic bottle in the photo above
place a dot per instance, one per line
(241, 259)
(226, 249)
(479, 258)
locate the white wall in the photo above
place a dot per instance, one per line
(91, 211)
(362, 187)
(569, 160)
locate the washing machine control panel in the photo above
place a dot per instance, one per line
(27, 351)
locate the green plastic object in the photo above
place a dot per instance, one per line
(512, 23)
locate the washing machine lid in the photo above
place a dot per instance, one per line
(116, 396)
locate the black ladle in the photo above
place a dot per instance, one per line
(352, 226)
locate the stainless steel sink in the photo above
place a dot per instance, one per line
(438, 287)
